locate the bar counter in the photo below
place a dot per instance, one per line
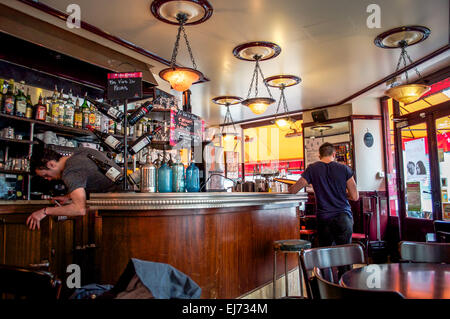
(223, 241)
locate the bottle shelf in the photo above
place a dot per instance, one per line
(13, 140)
(41, 125)
(6, 171)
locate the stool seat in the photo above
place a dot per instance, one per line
(291, 244)
(307, 231)
(358, 236)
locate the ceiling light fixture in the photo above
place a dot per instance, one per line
(257, 51)
(227, 100)
(285, 122)
(402, 38)
(181, 12)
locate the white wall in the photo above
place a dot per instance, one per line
(369, 161)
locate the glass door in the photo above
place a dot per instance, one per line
(443, 152)
(416, 172)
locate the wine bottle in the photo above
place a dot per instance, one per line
(78, 116)
(139, 113)
(110, 171)
(142, 142)
(110, 141)
(29, 111)
(21, 101)
(107, 109)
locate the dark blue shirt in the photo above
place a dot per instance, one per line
(330, 183)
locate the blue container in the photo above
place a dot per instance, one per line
(192, 178)
(178, 183)
(164, 179)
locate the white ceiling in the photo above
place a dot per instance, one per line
(325, 42)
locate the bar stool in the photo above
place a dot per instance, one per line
(288, 246)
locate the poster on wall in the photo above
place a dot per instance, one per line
(413, 194)
(312, 150)
(417, 170)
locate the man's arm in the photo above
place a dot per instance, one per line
(352, 190)
(301, 183)
(76, 208)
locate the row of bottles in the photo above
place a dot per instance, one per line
(70, 111)
(157, 176)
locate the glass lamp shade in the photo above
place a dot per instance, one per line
(283, 124)
(258, 105)
(407, 93)
(180, 79)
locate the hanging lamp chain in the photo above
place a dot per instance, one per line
(256, 73)
(403, 55)
(182, 18)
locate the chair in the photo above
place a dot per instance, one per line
(424, 252)
(442, 231)
(363, 238)
(28, 283)
(329, 290)
(327, 258)
(307, 226)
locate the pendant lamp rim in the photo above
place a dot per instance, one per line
(412, 35)
(421, 89)
(265, 100)
(220, 100)
(285, 80)
(198, 11)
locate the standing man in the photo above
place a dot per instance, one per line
(332, 183)
(80, 175)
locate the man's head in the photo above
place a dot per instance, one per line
(46, 163)
(327, 150)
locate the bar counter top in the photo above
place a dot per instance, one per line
(169, 201)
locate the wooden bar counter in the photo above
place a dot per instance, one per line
(223, 241)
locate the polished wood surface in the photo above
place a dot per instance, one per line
(226, 251)
(412, 280)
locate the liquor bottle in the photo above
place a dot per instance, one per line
(9, 99)
(55, 106)
(118, 128)
(98, 121)
(139, 113)
(111, 126)
(107, 109)
(110, 141)
(192, 177)
(142, 142)
(78, 116)
(110, 171)
(138, 130)
(165, 178)
(104, 124)
(178, 182)
(40, 110)
(86, 112)
(62, 107)
(69, 111)
(48, 106)
(21, 101)
(1, 92)
(92, 115)
(29, 111)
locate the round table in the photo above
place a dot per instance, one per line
(412, 280)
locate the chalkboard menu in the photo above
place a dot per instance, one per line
(186, 129)
(121, 86)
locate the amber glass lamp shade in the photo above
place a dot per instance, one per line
(407, 93)
(258, 105)
(179, 78)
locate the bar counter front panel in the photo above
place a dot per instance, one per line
(223, 241)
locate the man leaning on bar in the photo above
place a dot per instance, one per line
(333, 185)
